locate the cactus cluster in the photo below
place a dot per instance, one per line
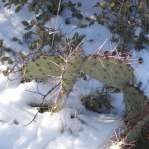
(108, 70)
(113, 72)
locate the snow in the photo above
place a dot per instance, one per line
(11, 26)
(57, 130)
(138, 31)
(86, 9)
(98, 33)
(85, 130)
(141, 70)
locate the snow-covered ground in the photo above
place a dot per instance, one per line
(74, 127)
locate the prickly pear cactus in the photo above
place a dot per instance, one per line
(43, 68)
(73, 66)
(134, 100)
(108, 70)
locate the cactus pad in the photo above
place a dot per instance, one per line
(135, 133)
(43, 68)
(134, 100)
(71, 70)
(109, 71)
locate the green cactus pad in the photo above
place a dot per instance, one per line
(43, 68)
(109, 71)
(71, 70)
(135, 133)
(134, 100)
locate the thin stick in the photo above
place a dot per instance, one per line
(44, 97)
